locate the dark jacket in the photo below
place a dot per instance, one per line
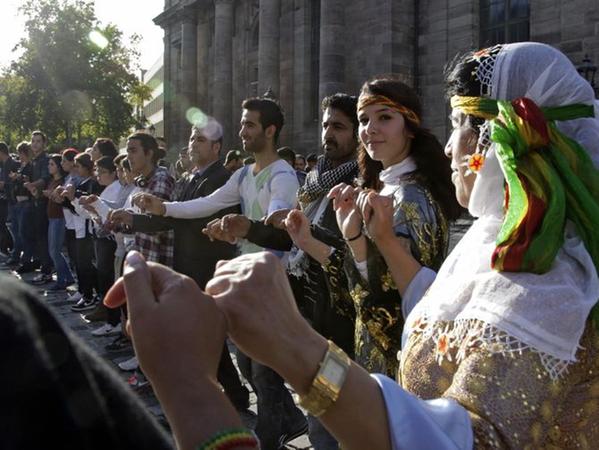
(195, 256)
(10, 165)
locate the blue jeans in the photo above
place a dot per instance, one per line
(56, 232)
(17, 246)
(26, 227)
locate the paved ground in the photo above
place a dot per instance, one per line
(83, 329)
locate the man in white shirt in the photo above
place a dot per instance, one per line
(265, 186)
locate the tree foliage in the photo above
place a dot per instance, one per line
(72, 85)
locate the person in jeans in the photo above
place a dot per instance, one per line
(24, 208)
(56, 225)
(9, 166)
(39, 180)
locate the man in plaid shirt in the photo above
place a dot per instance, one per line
(142, 153)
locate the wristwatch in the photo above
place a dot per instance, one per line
(328, 381)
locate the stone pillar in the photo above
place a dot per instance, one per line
(187, 97)
(332, 49)
(203, 67)
(223, 67)
(268, 47)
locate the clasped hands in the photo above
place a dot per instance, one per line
(178, 331)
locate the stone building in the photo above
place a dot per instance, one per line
(218, 52)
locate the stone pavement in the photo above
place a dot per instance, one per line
(61, 306)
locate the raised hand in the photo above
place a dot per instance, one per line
(377, 211)
(349, 218)
(298, 227)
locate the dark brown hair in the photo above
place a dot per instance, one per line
(433, 168)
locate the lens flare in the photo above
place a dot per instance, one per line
(98, 39)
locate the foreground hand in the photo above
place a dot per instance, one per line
(267, 326)
(149, 203)
(277, 218)
(177, 329)
(298, 227)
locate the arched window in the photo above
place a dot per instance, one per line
(503, 21)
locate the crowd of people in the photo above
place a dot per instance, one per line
(325, 270)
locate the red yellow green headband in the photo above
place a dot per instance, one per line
(367, 100)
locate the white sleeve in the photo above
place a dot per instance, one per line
(283, 192)
(84, 213)
(437, 424)
(224, 197)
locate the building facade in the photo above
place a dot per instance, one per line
(153, 109)
(218, 52)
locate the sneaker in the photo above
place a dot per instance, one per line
(85, 304)
(42, 278)
(107, 330)
(75, 297)
(99, 314)
(129, 364)
(120, 343)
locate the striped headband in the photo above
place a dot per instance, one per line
(367, 100)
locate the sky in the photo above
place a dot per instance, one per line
(130, 16)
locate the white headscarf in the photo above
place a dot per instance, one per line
(512, 311)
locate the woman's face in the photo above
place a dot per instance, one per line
(384, 134)
(461, 144)
(52, 167)
(67, 165)
(81, 171)
(105, 176)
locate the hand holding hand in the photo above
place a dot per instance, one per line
(268, 328)
(69, 192)
(277, 218)
(149, 203)
(177, 329)
(377, 211)
(87, 199)
(298, 227)
(228, 228)
(348, 215)
(120, 217)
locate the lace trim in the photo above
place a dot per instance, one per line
(453, 341)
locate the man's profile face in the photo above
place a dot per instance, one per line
(252, 134)
(138, 158)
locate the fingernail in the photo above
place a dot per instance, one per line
(134, 260)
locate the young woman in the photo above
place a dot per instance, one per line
(56, 226)
(403, 161)
(84, 168)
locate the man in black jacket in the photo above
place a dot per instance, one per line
(194, 254)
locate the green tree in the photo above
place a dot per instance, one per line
(73, 79)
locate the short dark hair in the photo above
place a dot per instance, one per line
(299, 155)
(85, 160)
(24, 148)
(287, 154)
(42, 134)
(148, 143)
(312, 157)
(69, 154)
(118, 159)
(232, 155)
(4, 148)
(106, 147)
(345, 103)
(106, 162)
(270, 113)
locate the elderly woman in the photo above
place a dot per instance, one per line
(500, 347)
